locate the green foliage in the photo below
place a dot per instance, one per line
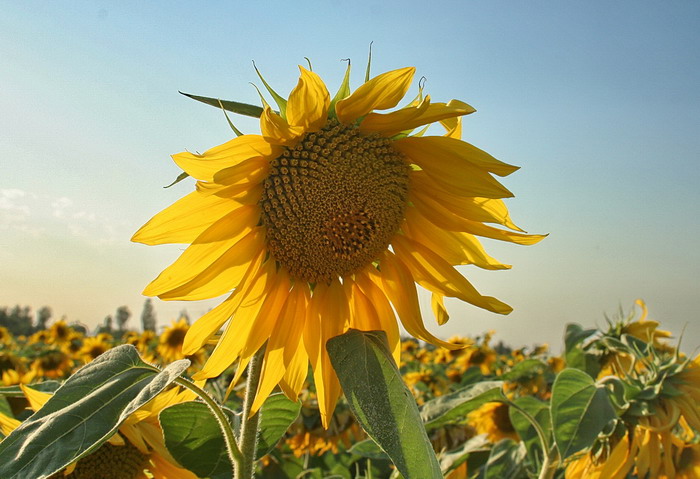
(193, 438)
(579, 411)
(381, 402)
(452, 407)
(83, 413)
(277, 414)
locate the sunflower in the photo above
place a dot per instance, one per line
(170, 342)
(60, 332)
(136, 451)
(93, 347)
(493, 420)
(326, 220)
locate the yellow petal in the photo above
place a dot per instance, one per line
(380, 93)
(211, 245)
(222, 275)
(276, 130)
(308, 102)
(453, 247)
(397, 283)
(437, 275)
(385, 313)
(233, 152)
(390, 124)
(443, 218)
(444, 155)
(36, 399)
(8, 424)
(249, 172)
(185, 219)
(282, 345)
(334, 317)
(233, 339)
(486, 210)
(438, 305)
(455, 177)
(295, 375)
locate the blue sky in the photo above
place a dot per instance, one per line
(598, 102)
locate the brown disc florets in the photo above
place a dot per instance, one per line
(332, 202)
(115, 462)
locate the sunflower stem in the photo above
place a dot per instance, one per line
(234, 453)
(249, 424)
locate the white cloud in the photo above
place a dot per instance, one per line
(32, 214)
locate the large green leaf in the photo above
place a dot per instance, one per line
(579, 411)
(83, 413)
(455, 406)
(381, 402)
(539, 411)
(278, 413)
(234, 106)
(193, 437)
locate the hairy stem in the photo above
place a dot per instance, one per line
(249, 424)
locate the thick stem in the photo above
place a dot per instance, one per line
(249, 424)
(231, 447)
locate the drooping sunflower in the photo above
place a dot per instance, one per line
(326, 220)
(493, 420)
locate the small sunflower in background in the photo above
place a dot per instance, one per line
(327, 221)
(169, 347)
(60, 332)
(53, 364)
(93, 347)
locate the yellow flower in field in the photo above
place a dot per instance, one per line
(616, 464)
(42, 336)
(170, 342)
(493, 420)
(60, 332)
(53, 364)
(93, 347)
(326, 220)
(6, 338)
(136, 451)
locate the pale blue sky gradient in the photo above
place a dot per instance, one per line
(598, 102)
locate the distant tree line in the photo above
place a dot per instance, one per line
(20, 321)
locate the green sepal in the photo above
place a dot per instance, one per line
(233, 106)
(179, 178)
(281, 102)
(343, 92)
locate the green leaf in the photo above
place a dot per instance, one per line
(506, 460)
(579, 411)
(278, 413)
(193, 438)
(524, 369)
(16, 391)
(539, 410)
(5, 407)
(234, 106)
(575, 335)
(381, 402)
(455, 406)
(368, 448)
(83, 413)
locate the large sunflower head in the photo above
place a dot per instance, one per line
(326, 221)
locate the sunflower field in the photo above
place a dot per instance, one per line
(621, 401)
(320, 231)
